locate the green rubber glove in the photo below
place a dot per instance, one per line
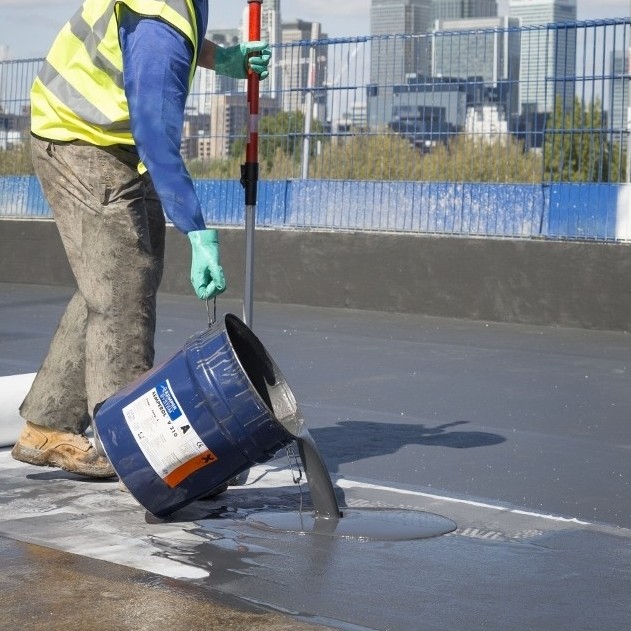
(206, 273)
(234, 61)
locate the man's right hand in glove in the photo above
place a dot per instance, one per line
(206, 273)
(235, 61)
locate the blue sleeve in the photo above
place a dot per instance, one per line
(156, 65)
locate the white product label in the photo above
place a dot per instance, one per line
(168, 441)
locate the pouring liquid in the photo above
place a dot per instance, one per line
(327, 518)
(320, 485)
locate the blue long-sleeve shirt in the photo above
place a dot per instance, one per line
(156, 66)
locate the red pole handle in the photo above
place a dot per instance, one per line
(254, 34)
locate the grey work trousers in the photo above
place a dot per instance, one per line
(112, 227)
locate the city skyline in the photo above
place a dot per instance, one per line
(409, 84)
(28, 27)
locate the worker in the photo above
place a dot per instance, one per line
(107, 112)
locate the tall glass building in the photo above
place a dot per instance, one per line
(271, 32)
(394, 59)
(548, 57)
(619, 89)
(484, 52)
(295, 67)
(463, 9)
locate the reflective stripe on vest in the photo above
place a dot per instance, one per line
(78, 93)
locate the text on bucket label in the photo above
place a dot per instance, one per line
(168, 441)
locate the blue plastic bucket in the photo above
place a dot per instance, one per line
(206, 414)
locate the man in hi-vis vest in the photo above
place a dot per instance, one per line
(107, 117)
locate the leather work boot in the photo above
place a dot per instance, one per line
(44, 446)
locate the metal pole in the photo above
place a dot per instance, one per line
(250, 170)
(311, 83)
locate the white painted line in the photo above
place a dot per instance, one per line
(349, 484)
(13, 389)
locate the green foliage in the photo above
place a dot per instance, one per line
(579, 148)
(385, 156)
(281, 166)
(228, 169)
(470, 159)
(388, 156)
(381, 156)
(283, 133)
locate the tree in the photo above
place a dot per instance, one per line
(468, 159)
(578, 146)
(228, 169)
(379, 156)
(388, 156)
(283, 131)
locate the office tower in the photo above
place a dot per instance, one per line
(548, 56)
(207, 87)
(392, 60)
(271, 22)
(480, 8)
(462, 9)
(271, 32)
(388, 17)
(619, 89)
(303, 67)
(229, 120)
(485, 56)
(207, 82)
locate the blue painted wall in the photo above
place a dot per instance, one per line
(565, 210)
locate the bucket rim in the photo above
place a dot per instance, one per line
(293, 424)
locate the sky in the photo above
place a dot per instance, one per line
(28, 27)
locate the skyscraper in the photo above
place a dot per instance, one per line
(463, 9)
(483, 52)
(392, 60)
(619, 89)
(301, 65)
(207, 82)
(548, 56)
(271, 23)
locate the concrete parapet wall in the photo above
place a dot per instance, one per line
(576, 284)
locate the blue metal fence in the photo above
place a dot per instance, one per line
(505, 153)
(571, 211)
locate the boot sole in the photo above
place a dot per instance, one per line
(41, 458)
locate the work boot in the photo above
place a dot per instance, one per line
(44, 446)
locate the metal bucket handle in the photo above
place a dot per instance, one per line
(211, 319)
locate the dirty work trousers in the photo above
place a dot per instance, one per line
(112, 227)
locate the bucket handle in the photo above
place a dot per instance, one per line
(213, 319)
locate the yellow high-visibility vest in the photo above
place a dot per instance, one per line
(78, 93)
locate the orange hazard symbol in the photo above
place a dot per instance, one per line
(182, 472)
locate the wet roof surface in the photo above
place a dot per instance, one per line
(519, 434)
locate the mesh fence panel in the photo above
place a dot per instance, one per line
(490, 131)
